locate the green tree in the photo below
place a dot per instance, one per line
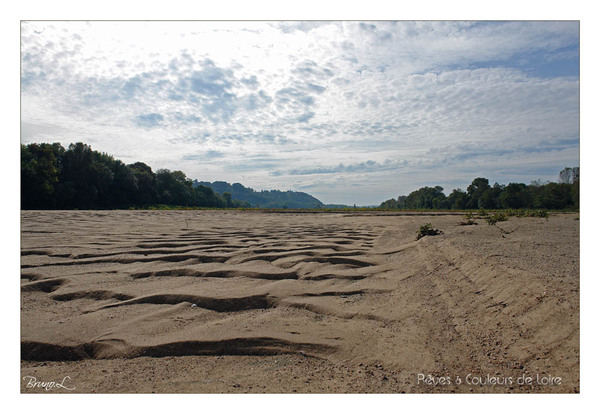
(145, 179)
(227, 197)
(40, 168)
(476, 190)
(85, 176)
(513, 196)
(174, 188)
(457, 200)
(390, 204)
(426, 197)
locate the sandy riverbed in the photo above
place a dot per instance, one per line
(233, 301)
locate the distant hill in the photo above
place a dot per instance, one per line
(265, 198)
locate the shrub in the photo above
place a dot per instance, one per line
(468, 220)
(514, 213)
(539, 213)
(427, 230)
(496, 217)
(527, 213)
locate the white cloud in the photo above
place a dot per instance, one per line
(384, 100)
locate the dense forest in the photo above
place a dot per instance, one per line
(480, 194)
(53, 177)
(265, 198)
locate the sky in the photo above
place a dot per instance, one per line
(350, 112)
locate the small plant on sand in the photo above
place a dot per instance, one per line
(482, 212)
(527, 213)
(496, 217)
(427, 230)
(514, 213)
(539, 213)
(468, 220)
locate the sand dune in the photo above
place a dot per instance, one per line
(228, 301)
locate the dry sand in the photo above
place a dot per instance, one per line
(232, 301)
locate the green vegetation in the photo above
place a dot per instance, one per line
(80, 178)
(263, 199)
(468, 220)
(427, 230)
(528, 213)
(492, 219)
(563, 195)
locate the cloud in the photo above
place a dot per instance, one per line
(364, 166)
(377, 34)
(290, 27)
(205, 156)
(336, 106)
(294, 95)
(250, 82)
(46, 130)
(311, 70)
(305, 117)
(149, 120)
(211, 81)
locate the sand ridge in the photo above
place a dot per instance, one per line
(337, 292)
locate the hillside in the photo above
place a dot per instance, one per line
(265, 198)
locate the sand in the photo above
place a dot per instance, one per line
(250, 301)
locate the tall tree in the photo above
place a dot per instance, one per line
(40, 169)
(475, 191)
(457, 200)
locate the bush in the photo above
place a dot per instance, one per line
(496, 217)
(539, 213)
(468, 220)
(427, 230)
(514, 213)
(527, 213)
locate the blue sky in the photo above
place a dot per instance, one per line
(350, 112)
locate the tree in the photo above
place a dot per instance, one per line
(390, 204)
(424, 198)
(575, 194)
(86, 177)
(124, 188)
(174, 188)
(401, 202)
(79, 177)
(206, 197)
(475, 191)
(145, 182)
(40, 169)
(457, 200)
(568, 175)
(227, 197)
(513, 196)
(553, 196)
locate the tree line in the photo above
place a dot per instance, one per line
(53, 177)
(562, 195)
